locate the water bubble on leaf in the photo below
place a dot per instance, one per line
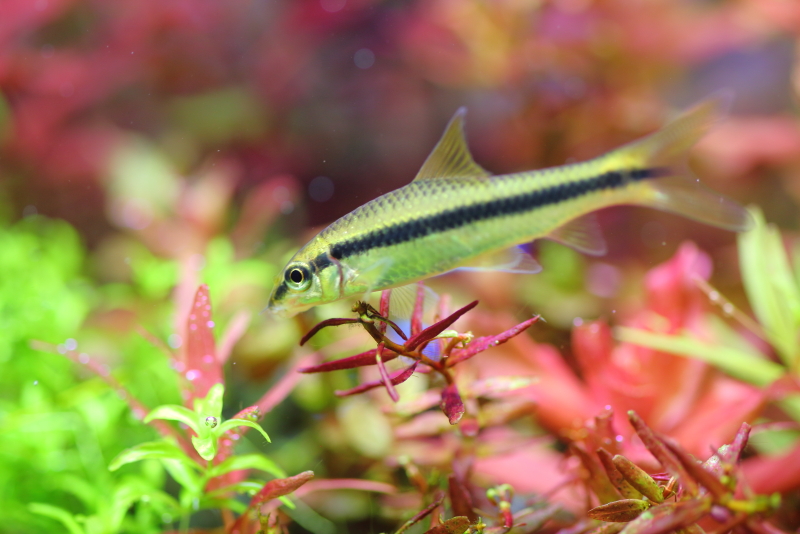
(727, 308)
(192, 374)
(61, 349)
(210, 324)
(174, 341)
(35, 382)
(211, 421)
(83, 358)
(619, 438)
(577, 321)
(208, 358)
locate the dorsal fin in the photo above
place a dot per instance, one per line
(450, 157)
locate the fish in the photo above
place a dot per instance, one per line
(456, 215)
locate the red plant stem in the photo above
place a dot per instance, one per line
(325, 323)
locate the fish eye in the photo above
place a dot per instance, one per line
(297, 277)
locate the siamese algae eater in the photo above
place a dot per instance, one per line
(457, 215)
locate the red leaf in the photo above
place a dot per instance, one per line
(460, 499)
(452, 405)
(416, 315)
(384, 308)
(200, 358)
(620, 511)
(454, 525)
(398, 378)
(437, 328)
(385, 378)
(272, 490)
(696, 470)
(437, 501)
(668, 517)
(616, 478)
(480, 344)
(351, 362)
(664, 456)
(323, 324)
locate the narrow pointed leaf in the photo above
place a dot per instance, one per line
(175, 412)
(64, 517)
(272, 490)
(454, 525)
(668, 517)
(696, 470)
(246, 461)
(151, 450)
(460, 499)
(323, 324)
(661, 453)
(397, 378)
(480, 344)
(597, 480)
(351, 362)
(385, 378)
(737, 363)
(206, 447)
(203, 369)
(639, 479)
(422, 514)
(616, 478)
(452, 405)
(620, 511)
(437, 328)
(233, 423)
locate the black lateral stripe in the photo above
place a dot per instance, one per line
(458, 217)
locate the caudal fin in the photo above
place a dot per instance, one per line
(677, 190)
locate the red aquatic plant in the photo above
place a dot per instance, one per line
(459, 347)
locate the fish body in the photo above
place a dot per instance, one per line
(457, 215)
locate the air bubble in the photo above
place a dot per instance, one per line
(174, 341)
(35, 382)
(713, 296)
(210, 324)
(83, 358)
(619, 438)
(727, 308)
(192, 374)
(211, 421)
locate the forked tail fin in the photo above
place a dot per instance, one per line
(677, 190)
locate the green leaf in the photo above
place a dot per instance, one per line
(211, 406)
(770, 285)
(736, 363)
(222, 503)
(59, 514)
(233, 423)
(205, 447)
(185, 476)
(152, 450)
(175, 412)
(246, 461)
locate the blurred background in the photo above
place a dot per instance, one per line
(147, 146)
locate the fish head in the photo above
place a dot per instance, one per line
(304, 282)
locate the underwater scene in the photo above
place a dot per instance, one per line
(399, 267)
